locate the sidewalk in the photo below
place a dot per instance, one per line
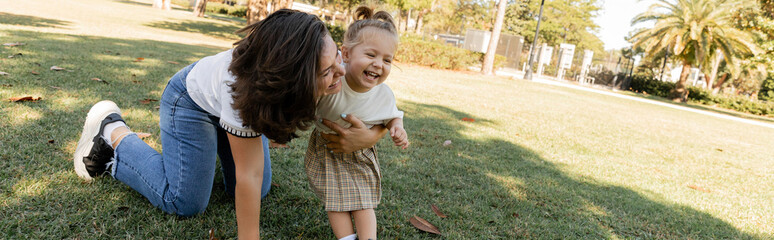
(515, 74)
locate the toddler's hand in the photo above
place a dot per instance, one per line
(399, 136)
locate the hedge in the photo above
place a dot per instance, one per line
(647, 85)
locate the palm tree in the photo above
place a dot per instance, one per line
(692, 30)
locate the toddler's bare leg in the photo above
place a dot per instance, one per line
(341, 223)
(365, 222)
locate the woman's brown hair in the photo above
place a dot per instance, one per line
(276, 67)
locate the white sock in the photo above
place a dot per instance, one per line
(108, 130)
(350, 237)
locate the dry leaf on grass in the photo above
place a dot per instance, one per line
(148, 100)
(468, 119)
(424, 225)
(99, 80)
(56, 68)
(277, 145)
(138, 59)
(212, 234)
(697, 188)
(173, 62)
(447, 143)
(34, 72)
(24, 99)
(3, 73)
(275, 185)
(14, 44)
(437, 211)
(142, 135)
(17, 54)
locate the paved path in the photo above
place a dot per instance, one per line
(520, 75)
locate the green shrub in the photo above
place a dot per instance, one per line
(767, 89)
(337, 33)
(240, 11)
(434, 54)
(216, 7)
(645, 84)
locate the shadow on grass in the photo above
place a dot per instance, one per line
(490, 188)
(226, 31)
(32, 21)
(40, 196)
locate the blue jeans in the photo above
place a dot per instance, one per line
(180, 179)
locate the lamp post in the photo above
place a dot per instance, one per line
(528, 71)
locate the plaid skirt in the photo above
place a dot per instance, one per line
(344, 182)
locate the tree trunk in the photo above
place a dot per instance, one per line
(199, 8)
(162, 4)
(715, 64)
(408, 17)
(488, 65)
(680, 93)
(420, 21)
(256, 11)
(719, 84)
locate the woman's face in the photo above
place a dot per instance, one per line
(329, 79)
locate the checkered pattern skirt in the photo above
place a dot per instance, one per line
(344, 182)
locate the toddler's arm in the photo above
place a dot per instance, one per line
(398, 134)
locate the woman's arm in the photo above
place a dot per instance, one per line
(354, 138)
(248, 163)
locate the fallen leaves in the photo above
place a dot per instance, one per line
(139, 59)
(173, 62)
(34, 73)
(24, 99)
(56, 68)
(437, 211)
(99, 80)
(424, 225)
(468, 119)
(148, 100)
(447, 143)
(3, 73)
(697, 188)
(17, 54)
(212, 234)
(14, 44)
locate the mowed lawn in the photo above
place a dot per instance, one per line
(535, 162)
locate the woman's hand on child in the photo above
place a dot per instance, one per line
(354, 138)
(399, 136)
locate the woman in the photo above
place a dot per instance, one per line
(227, 105)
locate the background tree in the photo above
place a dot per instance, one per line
(257, 10)
(490, 52)
(692, 29)
(200, 7)
(162, 4)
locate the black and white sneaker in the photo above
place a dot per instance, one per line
(93, 153)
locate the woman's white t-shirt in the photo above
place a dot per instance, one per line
(208, 85)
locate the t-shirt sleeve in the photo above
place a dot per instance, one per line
(229, 117)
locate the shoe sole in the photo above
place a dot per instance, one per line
(94, 118)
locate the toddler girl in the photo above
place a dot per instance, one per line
(349, 184)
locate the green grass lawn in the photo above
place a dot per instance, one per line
(539, 161)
